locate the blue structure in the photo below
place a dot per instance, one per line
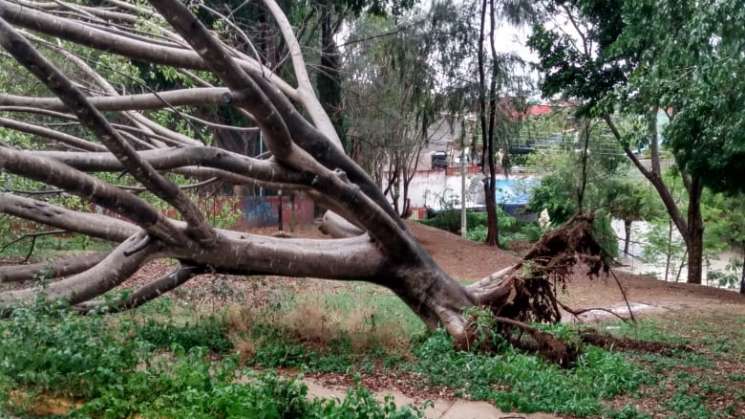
(514, 194)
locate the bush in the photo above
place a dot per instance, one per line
(509, 227)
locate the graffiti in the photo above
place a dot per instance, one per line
(258, 211)
(263, 211)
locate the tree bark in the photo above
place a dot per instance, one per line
(329, 78)
(742, 275)
(627, 229)
(695, 234)
(692, 228)
(486, 117)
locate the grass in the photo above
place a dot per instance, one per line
(699, 384)
(118, 367)
(170, 360)
(353, 322)
(46, 247)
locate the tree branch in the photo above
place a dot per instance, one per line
(655, 180)
(147, 292)
(99, 39)
(195, 96)
(94, 225)
(305, 89)
(89, 188)
(118, 265)
(94, 120)
(50, 269)
(50, 134)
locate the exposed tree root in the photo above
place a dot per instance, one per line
(625, 344)
(526, 293)
(545, 344)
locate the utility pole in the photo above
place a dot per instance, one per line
(463, 169)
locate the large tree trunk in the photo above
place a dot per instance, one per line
(742, 275)
(329, 78)
(695, 234)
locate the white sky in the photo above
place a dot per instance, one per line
(512, 39)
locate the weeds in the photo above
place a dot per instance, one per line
(51, 349)
(515, 381)
(210, 332)
(94, 366)
(180, 364)
(195, 388)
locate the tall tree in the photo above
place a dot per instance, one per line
(331, 16)
(494, 73)
(390, 100)
(625, 57)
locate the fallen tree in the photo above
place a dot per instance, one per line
(370, 242)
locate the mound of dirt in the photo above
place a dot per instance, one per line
(461, 258)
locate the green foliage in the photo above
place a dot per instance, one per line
(52, 349)
(195, 388)
(683, 57)
(628, 412)
(605, 191)
(691, 61)
(510, 228)
(111, 364)
(571, 69)
(631, 200)
(725, 227)
(603, 232)
(515, 381)
(277, 349)
(210, 332)
(561, 179)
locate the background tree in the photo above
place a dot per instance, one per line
(390, 100)
(489, 88)
(725, 219)
(629, 201)
(626, 57)
(332, 14)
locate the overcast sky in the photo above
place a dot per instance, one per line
(511, 39)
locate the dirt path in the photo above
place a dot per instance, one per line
(439, 408)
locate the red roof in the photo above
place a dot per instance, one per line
(535, 110)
